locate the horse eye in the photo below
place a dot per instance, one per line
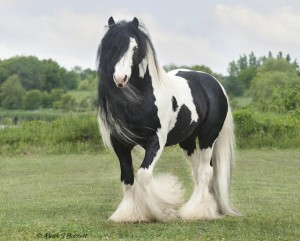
(135, 48)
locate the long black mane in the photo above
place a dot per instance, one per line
(121, 105)
(116, 42)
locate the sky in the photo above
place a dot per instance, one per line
(190, 32)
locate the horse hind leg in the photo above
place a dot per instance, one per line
(202, 204)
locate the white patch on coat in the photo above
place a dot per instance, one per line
(123, 67)
(105, 133)
(143, 68)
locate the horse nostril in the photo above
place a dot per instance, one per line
(125, 78)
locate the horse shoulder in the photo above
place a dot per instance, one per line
(183, 94)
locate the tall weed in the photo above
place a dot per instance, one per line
(255, 129)
(72, 133)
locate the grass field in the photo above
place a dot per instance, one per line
(70, 197)
(79, 95)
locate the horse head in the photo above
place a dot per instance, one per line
(122, 51)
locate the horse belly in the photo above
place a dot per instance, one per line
(183, 128)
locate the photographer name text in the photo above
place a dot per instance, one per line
(61, 236)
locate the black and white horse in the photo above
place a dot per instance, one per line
(141, 104)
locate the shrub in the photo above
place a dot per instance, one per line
(68, 102)
(283, 101)
(255, 129)
(11, 93)
(83, 85)
(46, 100)
(67, 134)
(246, 125)
(75, 129)
(32, 100)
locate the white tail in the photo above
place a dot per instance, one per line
(223, 157)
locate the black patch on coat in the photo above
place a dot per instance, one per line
(151, 150)
(174, 104)
(125, 159)
(183, 128)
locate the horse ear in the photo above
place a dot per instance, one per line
(111, 21)
(135, 22)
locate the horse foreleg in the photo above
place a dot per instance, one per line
(130, 209)
(162, 194)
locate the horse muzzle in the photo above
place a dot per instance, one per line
(121, 80)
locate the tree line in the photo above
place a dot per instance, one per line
(29, 83)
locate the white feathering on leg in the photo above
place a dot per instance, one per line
(202, 204)
(150, 199)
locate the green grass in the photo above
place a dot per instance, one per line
(80, 95)
(9, 117)
(76, 194)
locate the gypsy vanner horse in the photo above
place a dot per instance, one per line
(140, 104)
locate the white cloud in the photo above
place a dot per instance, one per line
(6, 4)
(247, 29)
(7, 52)
(176, 47)
(70, 38)
(71, 35)
(280, 25)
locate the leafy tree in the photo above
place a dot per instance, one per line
(77, 69)
(233, 69)
(53, 75)
(241, 74)
(88, 74)
(70, 80)
(29, 69)
(274, 73)
(11, 93)
(242, 62)
(248, 73)
(246, 76)
(253, 61)
(233, 86)
(32, 100)
(37, 74)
